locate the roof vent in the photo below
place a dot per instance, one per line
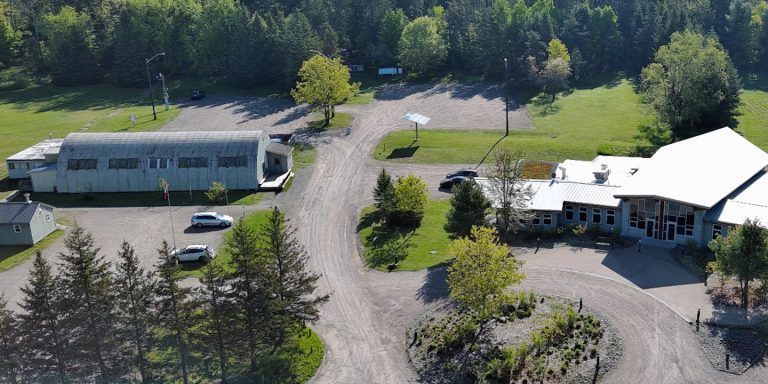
(602, 173)
(562, 169)
(26, 195)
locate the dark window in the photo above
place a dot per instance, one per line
(11, 165)
(569, 212)
(610, 217)
(596, 215)
(193, 162)
(583, 214)
(17, 228)
(277, 161)
(80, 164)
(233, 161)
(547, 219)
(158, 162)
(130, 163)
(717, 231)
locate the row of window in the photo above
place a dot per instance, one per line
(597, 215)
(158, 163)
(642, 212)
(12, 165)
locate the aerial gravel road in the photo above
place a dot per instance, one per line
(364, 325)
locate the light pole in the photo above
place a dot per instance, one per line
(506, 95)
(149, 82)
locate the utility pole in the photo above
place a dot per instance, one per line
(506, 95)
(149, 82)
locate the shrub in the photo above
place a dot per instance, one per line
(579, 229)
(217, 193)
(15, 78)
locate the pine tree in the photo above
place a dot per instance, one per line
(175, 310)
(293, 300)
(41, 321)
(247, 292)
(88, 294)
(10, 348)
(384, 195)
(135, 303)
(218, 314)
(468, 208)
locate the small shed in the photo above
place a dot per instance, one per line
(279, 158)
(25, 223)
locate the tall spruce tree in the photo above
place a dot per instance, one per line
(175, 311)
(248, 293)
(88, 293)
(218, 315)
(468, 209)
(135, 306)
(43, 338)
(384, 195)
(293, 299)
(10, 347)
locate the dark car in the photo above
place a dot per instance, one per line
(197, 94)
(449, 182)
(466, 172)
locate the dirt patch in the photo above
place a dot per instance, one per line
(443, 347)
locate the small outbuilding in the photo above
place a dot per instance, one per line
(25, 223)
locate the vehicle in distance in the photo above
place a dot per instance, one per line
(197, 94)
(449, 182)
(200, 253)
(466, 172)
(211, 219)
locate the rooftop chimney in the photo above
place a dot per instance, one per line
(26, 195)
(562, 169)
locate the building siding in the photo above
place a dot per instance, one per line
(9, 237)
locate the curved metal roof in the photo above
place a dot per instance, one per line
(159, 144)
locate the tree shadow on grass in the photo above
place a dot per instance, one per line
(545, 101)
(401, 153)
(384, 240)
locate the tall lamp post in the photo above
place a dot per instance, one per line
(149, 82)
(506, 95)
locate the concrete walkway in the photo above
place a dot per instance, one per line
(654, 270)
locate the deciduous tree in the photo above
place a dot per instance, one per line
(411, 198)
(71, 47)
(324, 83)
(421, 45)
(743, 254)
(692, 86)
(509, 189)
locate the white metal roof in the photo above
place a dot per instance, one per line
(550, 195)
(621, 169)
(748, 202)
(38, 151)
(416, 118)
(699, 171)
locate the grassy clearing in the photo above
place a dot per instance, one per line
(254, 220)
(139, 199)
(340, 120)
(572, 128)
(12, 255)
(364, 96)
(427, 238)
(303, 156)
(754, 110)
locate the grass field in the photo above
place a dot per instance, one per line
(573, 128)
(340, 120)
(12, 255)
(139, 199)
(428, 238)
(754, 110)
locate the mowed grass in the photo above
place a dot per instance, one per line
(753, 120)
(340, 120)
(13, 255)
(429, 237)
(574, 127)
(28, 116)
(139, 199)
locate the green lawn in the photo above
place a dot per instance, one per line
(364, 96)
(30, 115)
(303, 155)
(754, 110)
(253, 220)
(11, 255)
(340, 120)
(574, 127)
(429, 237)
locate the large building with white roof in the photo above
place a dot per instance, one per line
(683, 192)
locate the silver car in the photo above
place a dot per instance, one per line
(200, 253)
(211, 219)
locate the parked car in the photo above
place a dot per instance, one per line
(449, 182)
(211, 219)
(200, 253)
(197, 94)
(466, 172)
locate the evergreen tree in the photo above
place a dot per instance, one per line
(218, 315)
(248, 288)
(296, 42)
(71, 47)
(293, 300)
(468, 209)
(134, 306)
(175, 311)
(43, 338)
(384, 195)
(249, 59)
(10, 347)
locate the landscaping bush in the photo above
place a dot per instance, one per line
(15, 78)
(217, 193)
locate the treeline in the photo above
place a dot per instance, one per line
(104, 322)
(252, 42)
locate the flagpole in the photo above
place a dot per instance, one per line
(170, 213)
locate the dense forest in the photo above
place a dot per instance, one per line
(253, 42)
